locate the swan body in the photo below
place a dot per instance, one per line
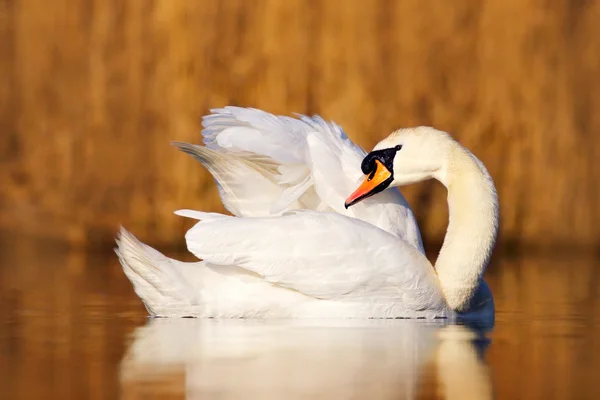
(298, 247)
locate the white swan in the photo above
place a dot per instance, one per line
(298, 248)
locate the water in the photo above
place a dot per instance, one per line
(72, 328)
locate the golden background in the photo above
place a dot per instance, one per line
(93, 91)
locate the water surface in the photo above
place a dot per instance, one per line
(72, 328)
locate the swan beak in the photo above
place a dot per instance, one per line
(374, 183)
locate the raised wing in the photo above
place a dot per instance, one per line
(247, 184)
(299, 146)
(322, 255)
(267, 165)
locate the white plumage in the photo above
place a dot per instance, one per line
(292, 248)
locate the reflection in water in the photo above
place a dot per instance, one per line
(462, 372)
(66, 320)
(378, 359)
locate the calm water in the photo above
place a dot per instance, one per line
(72, 328)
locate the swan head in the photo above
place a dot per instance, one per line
(406, 156)
(416, 154)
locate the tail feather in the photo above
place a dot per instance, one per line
(156, 279)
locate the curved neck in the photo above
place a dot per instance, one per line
(472, 229)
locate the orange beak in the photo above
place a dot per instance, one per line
(376, 182)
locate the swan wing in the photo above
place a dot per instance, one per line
(247, 183)
(321, 255)
(303, 163)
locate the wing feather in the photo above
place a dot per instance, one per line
(313, 164)
(322, 255)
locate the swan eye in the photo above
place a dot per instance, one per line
(398, 147)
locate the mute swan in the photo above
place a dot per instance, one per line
(298, 247)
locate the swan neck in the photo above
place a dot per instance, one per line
(472, 227)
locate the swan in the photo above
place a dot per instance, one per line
(305, 242)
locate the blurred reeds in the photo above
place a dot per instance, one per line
(94, 90)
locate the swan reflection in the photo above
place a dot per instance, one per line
(253, 359)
